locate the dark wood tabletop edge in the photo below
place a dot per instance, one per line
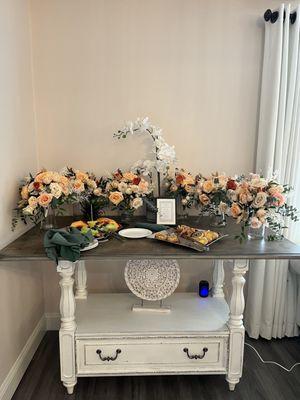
(202, 256)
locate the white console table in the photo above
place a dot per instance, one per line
(100, 335)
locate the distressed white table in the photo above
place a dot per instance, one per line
(100, 335)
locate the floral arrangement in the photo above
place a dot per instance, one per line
(256, 201)
(88, 191)
(253, 201)
(39, 193)
(165, 156)
(126, 190)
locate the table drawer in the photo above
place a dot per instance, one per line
(106, 356)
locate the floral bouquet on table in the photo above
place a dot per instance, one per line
(212, 195)
(126, 190)
(256, 201)
(48, 190)
(183, 186)
(88, 191)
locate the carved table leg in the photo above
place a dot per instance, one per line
(218, 279)
(68, 325)
(235, 324)
(80, 280)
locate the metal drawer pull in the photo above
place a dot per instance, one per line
(99, 352)
(195, 356)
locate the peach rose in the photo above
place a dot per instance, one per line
(45, 199)
(235, 210)
(116, 197)
(78, 186)
(255, 223)
(56, 177)
(143, 187)
(32, 201)
(260, 200)
(44, 177)
(276, 189)
(204, 199)
(137, 203)
(25, 192)
(245, 196)
(278, 199)
(129, 176)
(82, 176)
(207, 186)
(188, 180)
(261, 215)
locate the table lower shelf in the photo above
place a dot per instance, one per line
(102, 315)
(111, 339)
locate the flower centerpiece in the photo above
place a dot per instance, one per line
(256, 201)
(165, 156)
(88, 191)
(42, 196)
(125, 191)
(184, 186)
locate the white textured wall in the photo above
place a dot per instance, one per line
(21, 292)
(193, 66)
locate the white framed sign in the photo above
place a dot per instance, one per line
(166, 211)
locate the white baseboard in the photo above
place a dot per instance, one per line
(52, 322)
(18, 369)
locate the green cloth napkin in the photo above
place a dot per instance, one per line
(65, 244)
(152, 227)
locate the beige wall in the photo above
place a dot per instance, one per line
(192, 66)
(21, 292)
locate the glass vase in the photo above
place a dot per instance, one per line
(218, 220)
(256, 233)
(50, 220)
(126, 217)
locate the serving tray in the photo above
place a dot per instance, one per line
(188, 242)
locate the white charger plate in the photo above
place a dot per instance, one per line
(135, 233)
(91, 246)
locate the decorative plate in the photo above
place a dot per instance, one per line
(91, 246)
(152, 279)
(135, 233)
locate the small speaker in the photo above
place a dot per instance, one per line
(203, 288)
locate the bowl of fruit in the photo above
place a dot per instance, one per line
(100, 228)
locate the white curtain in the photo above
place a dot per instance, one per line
(272, 298)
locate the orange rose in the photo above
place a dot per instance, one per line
(44, 177)
(207, 186)
(129, 176)
(204, 199)
(235, 210)
(24, 192)
(44, 199)
(116, 197)
(78, 186)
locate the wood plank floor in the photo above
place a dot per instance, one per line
(259, 382)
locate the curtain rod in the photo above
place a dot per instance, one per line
(273, 16)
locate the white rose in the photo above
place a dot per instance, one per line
(260, 200)
(128, 191)
(56, 190)
(122, 186)
(137, 202)
(134, 188)
(28, 210)
(32, 201)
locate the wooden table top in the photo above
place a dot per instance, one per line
(29, 246)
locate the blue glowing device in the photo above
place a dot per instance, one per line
(203, 288)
